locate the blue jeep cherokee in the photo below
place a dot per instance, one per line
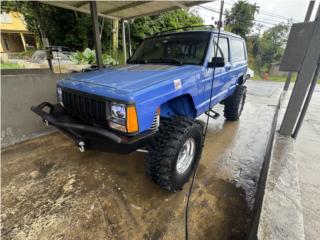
(153, 100)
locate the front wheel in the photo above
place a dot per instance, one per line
(233, 105)
(174, 152)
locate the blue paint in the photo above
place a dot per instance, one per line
(150, 86)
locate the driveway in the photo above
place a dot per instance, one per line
(52, 191)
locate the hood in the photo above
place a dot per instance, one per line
(134, 77)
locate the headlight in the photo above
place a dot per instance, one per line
(118, 110)
(118, 113)
(59, 96)
(123, 118)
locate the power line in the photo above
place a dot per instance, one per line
(263, 21)
(268, 23)
(271, 21)
(265, 13)
(209, 9)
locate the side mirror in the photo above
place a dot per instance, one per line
(216, 62)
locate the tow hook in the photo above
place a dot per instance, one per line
(46, 123)
(81, 145)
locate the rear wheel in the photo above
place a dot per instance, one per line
(233, 105)
(174, 152)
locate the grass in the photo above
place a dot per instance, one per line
(279, 78)
(10, 66)
(26, 54)
(275, 78)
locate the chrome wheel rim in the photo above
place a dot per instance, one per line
(186, 155)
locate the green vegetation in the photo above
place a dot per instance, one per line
(147, 26)
(240, 19)
(280, 78)
(10, 66)
(88, 56)
(275, 78)
(263, 49)
(267, 48)
(73, 29)
(26, 54)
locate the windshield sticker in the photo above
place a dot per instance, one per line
(177, 84)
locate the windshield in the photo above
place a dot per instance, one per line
(182, 48)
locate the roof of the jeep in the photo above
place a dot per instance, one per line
(195, 31)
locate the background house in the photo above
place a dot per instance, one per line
(15, 36)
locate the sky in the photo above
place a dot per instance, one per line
(271, 11)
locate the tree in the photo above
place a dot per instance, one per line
(69, 28)
(268, 48)
(61, 26)
(272, 44)
(147, 26)
(240, 19)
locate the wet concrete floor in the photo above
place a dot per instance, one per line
(307, 153)
(52, 191)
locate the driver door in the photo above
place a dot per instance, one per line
(222, 79)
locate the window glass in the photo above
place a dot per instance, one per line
(224, 46)
(223, 50)
(237, 50)
(187, 48)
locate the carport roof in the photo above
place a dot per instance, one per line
(125, 9)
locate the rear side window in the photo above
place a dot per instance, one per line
(238, 52)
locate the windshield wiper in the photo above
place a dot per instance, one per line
(166, 60)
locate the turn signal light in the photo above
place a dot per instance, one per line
(132, 120)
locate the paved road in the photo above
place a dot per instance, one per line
(52, 191)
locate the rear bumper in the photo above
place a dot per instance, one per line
(94, 137)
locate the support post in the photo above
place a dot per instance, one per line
(306, 19)
(96, 33)
(307, 101)
(101, 29)
(115, 32)
(124, 47)
(129, 38)
(303, 81)
(309, 11)
(23, 41)
(287, 83)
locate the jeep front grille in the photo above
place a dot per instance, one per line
(86, 107)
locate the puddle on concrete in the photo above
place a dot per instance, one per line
(52, 191)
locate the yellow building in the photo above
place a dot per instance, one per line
(15, 36)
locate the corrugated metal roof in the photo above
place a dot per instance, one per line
(125, 9)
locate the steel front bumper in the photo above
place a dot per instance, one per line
(92, 137)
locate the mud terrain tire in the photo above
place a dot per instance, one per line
(176, 138)
(233, 105)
